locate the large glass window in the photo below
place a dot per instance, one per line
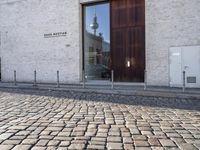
(97, 41)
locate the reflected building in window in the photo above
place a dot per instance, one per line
(96, 50)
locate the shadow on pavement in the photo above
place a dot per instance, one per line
(173, 103)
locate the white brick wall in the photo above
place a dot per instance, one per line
(23, 24)
(168, 23)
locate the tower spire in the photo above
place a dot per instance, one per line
(95, 24)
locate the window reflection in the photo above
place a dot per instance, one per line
(97, 42)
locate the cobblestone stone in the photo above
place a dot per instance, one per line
(44, 120)
(167, 143)
(53, 143)
(11, 142)
(95, 147)
(157, 148)
(114, 139)
(154, 142)
(114, 146)
(65, 143)
(128, 146)
(6, 147)
(38, 148)
(42, 142)
(22, 147)
(186, 146)
(141, 143)
(77, 146)
(5, 136)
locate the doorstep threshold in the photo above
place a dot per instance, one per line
(102, 82)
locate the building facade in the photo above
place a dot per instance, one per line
(97, 36)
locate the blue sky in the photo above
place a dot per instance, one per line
(103, 19)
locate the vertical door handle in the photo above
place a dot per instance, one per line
(128, 64)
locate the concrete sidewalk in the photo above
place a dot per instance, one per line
(122, 89)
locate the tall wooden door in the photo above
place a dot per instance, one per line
(128, 39)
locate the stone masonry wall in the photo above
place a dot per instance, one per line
(23, 47)
(168, 23)
(23, 24)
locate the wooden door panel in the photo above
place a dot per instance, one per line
(136, 12)
(140, 15)
(128, 39)
(136, 46)
(118, 53)
(119, 14)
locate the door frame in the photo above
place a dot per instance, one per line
(111, 49)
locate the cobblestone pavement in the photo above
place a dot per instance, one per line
(48, 120)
